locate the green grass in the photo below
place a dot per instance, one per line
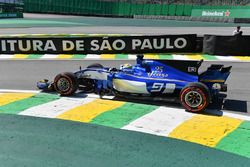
(102, 21)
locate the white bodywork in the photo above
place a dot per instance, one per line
(130, 86)
(96, 75)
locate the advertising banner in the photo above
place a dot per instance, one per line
(11, 8)
(226, 45)
(225, 13)
(98, 45)
(10, 15)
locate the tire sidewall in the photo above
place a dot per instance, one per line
(72, 83)
(202, 92)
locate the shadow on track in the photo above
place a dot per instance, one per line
(215, 109)
(235, 105)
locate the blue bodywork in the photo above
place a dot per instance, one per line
(152, 72)
(153, 77)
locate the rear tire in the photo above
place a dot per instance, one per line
(65, 84)
(195, 97)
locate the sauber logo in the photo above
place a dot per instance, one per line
(157, 74)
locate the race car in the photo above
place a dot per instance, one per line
(147, 79)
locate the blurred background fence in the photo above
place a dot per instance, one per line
(129, 8)
(11, 8)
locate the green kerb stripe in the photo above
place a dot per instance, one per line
(34, 56)
(19, 106)
(165, 56)
(121, 56)
(238, 141)
(78, 56)
(123, 115)
(209, 57)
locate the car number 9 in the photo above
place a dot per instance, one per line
(167, 88)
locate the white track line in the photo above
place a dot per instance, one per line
(93, 56)
(18, 91)
(160, 122)
(180, 57)
(2, 56)
(49, 56)
(132, 57)
(80, 95)
(237, 116)
(227, 58)
(55, 108)
(97, 96)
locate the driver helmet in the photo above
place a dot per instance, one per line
(125, 66)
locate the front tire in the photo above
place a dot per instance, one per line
(65, 84)
(195, 97)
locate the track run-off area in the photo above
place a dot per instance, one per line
(225, 131)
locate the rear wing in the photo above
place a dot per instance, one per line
(219, 67)
(216, 73)
(187, 66)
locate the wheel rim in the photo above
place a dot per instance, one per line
(193, 99)
(63, 84)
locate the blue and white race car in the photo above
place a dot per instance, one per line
(151, 79)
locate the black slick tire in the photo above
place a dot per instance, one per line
(65, 83)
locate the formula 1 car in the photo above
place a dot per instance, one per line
(152, 79)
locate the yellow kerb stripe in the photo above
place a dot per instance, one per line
(12, 97)
(195, 57)
(20, 56)
(151, 56)
(205, 130)
(108, 56)
(87, 112)
(64, 56)
(246, 58)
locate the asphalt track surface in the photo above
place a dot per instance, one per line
(23, 75)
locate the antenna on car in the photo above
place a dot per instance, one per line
(80, 68)
(200, 62)
(140, 56)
